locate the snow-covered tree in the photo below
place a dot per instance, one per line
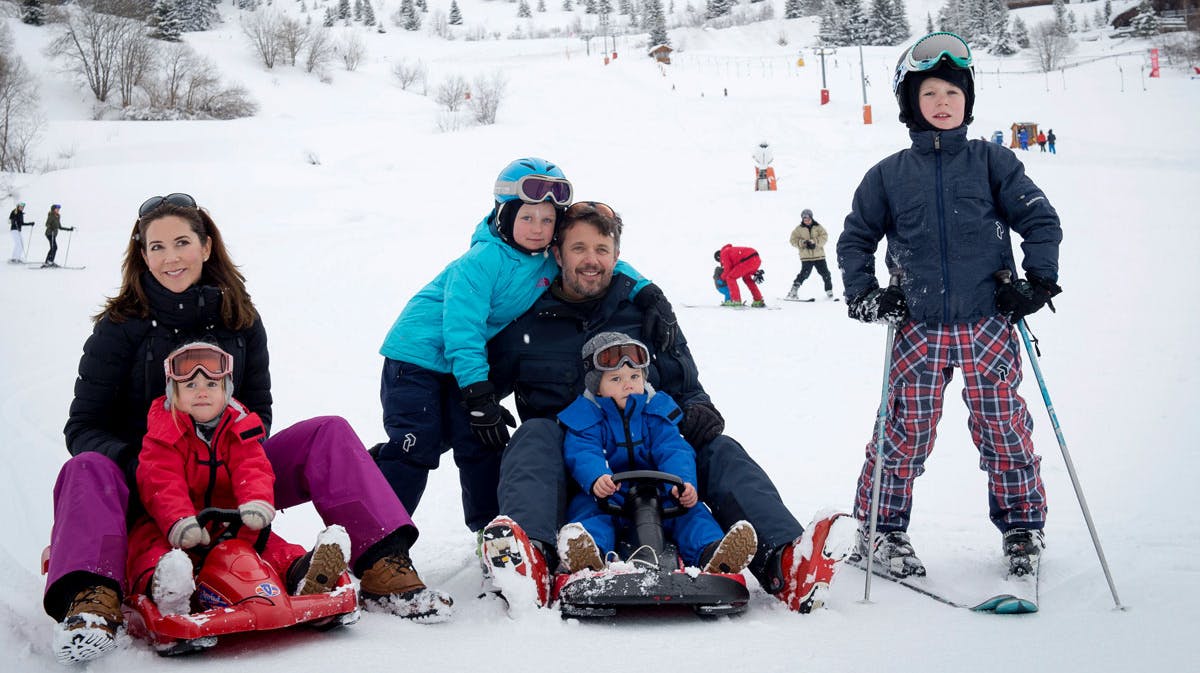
(330, 17)
(33, 12)
(1060, 16)
(165, 20)
(791, 9)
(343, 9)
(410, 18)
(421, 6)
(717, 8)
(523, 10)
(1020, 33)
(541, 6)
(1145, 22)
(567, 6)
(199, 15)
(843, 22)
(589, 7)
(1072, 23)
(455, 14)
(887, 23)
(928, 23)
(1107, 11)
(368, 13)
(656, 23)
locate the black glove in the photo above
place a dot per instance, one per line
(659, 323)
(759, 276)
(701, 424)
(1021, 297)
(488, 418)
(882, 305)
(809, 244)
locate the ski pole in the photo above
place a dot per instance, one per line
(67, 254)
(29, 244)
(877, 473)
(1004, 277)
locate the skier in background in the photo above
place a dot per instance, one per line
(809, 238)
(16, 220)
(53, 226)
(947, 309)
(722, 286)
(740, 263)
(1050, 140)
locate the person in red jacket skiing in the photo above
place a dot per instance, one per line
(204, 449)
(740, 263)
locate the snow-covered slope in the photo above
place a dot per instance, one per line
(333, 250)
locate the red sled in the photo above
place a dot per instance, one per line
(764, 180)
(236, 592)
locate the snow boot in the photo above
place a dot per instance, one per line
(829, 294)
(792, 292)
(732, 303)
(89, 629)
(172, 585)
(391, 585)
(514, 565)
(318, 571)
(893, 552)
(758, 303)
(805, 568)
(578, 549)
(1022, 550)
(733, 552)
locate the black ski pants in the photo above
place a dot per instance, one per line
(52, 236)
(806, 269)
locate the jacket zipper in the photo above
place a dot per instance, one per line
(213, 462)
(941, 213)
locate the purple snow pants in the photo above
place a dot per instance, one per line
(320, 460)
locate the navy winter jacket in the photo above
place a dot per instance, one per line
(946, 206)
(538, 355)
(121, 370)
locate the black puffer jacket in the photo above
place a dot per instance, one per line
(121, 370)
(538, 355)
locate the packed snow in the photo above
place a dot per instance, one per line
(341, 199)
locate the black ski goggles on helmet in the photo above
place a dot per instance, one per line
(538, 188)
(611, 357)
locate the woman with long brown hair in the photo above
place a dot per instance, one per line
(178, 285)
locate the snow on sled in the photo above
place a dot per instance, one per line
(651, 581)
(236, 592)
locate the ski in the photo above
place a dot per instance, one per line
(56, 266)
(745, 307)
(807, 300)
(1017, 595)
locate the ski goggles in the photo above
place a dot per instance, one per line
(611, 357)
(176, 199)
(584, 208)
(537, 188)
(184, 363)
(930, 50)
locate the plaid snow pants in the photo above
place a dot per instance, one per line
(923, 358)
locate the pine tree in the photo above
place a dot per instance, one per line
(330, 17)
(589, 7)
(928, 23)
(567, 6)
(900, 22)
(1145, 22)
(656, 22)
(410, 18)
(199, 14)
(455, 14)
(33, 12)
(164, 18)
(1020, 33)
(368, 13)
(523, 10)
(1072, 23)
(541, 6)
(1107, 11)
(1004, 43)
(357, 10)
(1060, 17)
(422, 6)
(604, 7)
(343, 9)
(791, 9)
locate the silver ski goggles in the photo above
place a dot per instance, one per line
(930, 50)
(612, 357)
(537, 188)
(177, 199)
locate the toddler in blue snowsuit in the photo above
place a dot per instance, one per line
(621, 423)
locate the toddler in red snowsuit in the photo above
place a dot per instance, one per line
(204, 449)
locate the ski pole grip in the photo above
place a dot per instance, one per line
(1003, 276)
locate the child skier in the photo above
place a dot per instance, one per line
(809, 238)
(203, 449)
(740, 263)
(946, 206)
(720, 283)
(621, 423)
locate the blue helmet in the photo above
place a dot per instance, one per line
(533, 180)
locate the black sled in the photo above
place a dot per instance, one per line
(644, 583)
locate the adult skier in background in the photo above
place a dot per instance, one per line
(809, 238)
(53, 226)
(740, 263)
(16, 221)
(947, 206)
